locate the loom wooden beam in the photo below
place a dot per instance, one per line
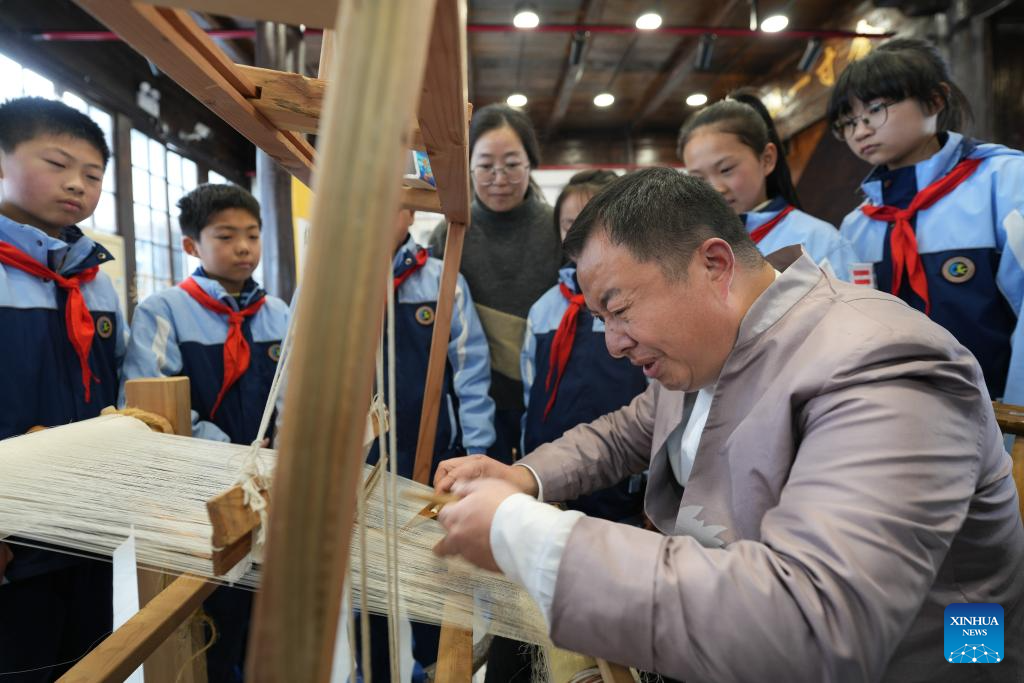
(378, 62)
(444, 112)
(418, 199)
(454, 651)
(446, 134)
(166, 396)
(233, 523)
(293, 102)
(171, 398)
(316, 13)
(443, 122)
(123, 651)
(177, 46)
(1011, 420)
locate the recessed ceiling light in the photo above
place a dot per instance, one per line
(605, 99)
(775, 23)
(648, 21)
(516, 100)
(526, 18)
(697, 99)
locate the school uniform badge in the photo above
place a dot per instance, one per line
(425, 315)
(958, 269)
(104, 326)
(274, 352)
(862, 274)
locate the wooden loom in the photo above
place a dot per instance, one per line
(376, 61)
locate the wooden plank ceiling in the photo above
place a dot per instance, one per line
(650, 74)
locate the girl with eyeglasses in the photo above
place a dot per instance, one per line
(941, 226)
(733, 145)
(510, 256)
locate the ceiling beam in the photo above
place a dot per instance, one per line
(682, 65)
(573, 71)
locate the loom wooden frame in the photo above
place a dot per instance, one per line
(297, 607)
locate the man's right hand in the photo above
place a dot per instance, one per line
(476, 466)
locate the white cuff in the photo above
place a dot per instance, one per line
(540, 486)
(527, 540)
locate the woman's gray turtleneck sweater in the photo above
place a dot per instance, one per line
(509, 260)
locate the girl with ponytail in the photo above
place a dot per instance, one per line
(733, 145)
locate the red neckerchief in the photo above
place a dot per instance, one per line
(77, 319)
(762, 230)
(561, 346)
(903, 241)
(236, 349)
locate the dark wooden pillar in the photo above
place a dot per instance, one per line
(125, 210)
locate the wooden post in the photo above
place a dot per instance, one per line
(166, 396)
(375, 78)
(614, 673)
(445, 133)
(171, 398)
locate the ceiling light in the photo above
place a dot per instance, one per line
(648, 21)
(605, 99)
(516, 100)
(775, 23)
(864, 26)
(697, 99)
(526, 17)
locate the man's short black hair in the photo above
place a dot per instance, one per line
(661, 215)
(199, 206)
(25, 118)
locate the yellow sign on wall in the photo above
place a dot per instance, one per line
(302, 210)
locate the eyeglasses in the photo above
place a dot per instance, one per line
(874, 117)
(487, 174)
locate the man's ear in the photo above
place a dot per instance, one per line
(190, 246)
(719, 262)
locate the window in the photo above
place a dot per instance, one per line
(17, 81)
(159, 178)
(217, 179)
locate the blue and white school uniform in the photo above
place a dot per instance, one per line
(971, 246)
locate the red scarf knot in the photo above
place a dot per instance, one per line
(236, 349)
(77, 319)
(903, 241)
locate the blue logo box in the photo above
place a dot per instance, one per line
(973, 633)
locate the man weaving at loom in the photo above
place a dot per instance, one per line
(824, 463)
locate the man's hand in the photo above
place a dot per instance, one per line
(471, 467)
(468, 521)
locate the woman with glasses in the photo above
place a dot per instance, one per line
(510, 256)
(941, 226)
(733, 145)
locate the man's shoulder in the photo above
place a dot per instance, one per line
(861, 334)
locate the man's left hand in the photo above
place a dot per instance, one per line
(468, 521)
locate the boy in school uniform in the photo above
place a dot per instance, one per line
(63, 338)
(466, 420)
(220, 329)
